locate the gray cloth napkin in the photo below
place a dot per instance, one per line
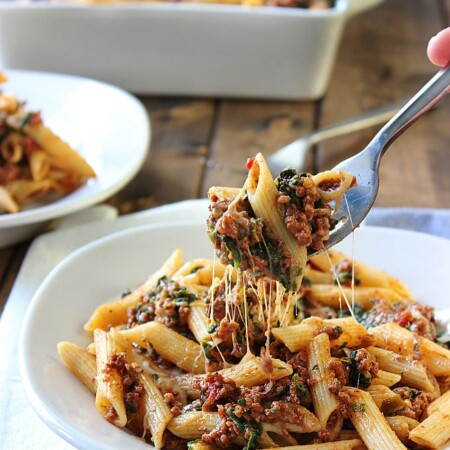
(432, 221)
(20, 428)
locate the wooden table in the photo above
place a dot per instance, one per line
(382, 59)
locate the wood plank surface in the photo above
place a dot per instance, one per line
(381, 59)
(244, 129)
(181, 133)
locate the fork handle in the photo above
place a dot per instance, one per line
(365, 120)
(434, 91)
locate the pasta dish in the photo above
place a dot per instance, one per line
(249, 350)
(308, 4)
(34, 162)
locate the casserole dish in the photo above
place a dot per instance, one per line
(181, 48)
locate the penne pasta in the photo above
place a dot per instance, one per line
(157, 413)
(174, 347)
(412, 372)
(326, 405)
(434, 431)
(369, 422)
(211, 358)
(109, 395)
(80, 362)
(402, 341)
(116, 312)
(30, 156)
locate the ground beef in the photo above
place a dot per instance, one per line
(215, 390)
(304, 213)
(169, 304)
(235, 223)
(172, 442)
(333, 331)
(218, 300)
(416, 402)
(225, 330)
(174, 405)
(363, 368)
(410, 315)
(132, 390)
(224, 433)
(284, 412)
(340, 373)
(242, 240)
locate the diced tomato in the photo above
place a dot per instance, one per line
(250, 162)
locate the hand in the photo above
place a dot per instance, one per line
(438, 50)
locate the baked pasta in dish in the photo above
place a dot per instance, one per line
(304, 4)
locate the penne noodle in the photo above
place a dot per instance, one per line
(115, 313)
(333, 296)
(7, 203)
(174, 347)
(412, 372)
(39, 165)
(387, 400)
(80, 362)
(369, 422)
(402, 425)
(434, 431)
(404, 342)
(352, 444)
(251, 371)
(63, 156)
(262, 194)
(157, 415)
(348, 332)
(109, 393)
(326, 405)
(385, 378)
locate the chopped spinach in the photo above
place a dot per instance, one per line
(232, 246)
(255, 429)
(207, 349)
(356, 376)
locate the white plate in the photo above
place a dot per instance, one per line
(101, 270)
(105, 124)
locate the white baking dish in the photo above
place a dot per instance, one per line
(180, 48)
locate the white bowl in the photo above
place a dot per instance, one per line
(181, 49)
(101, 270)
(107, 126)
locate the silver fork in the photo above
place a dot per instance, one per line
(365, 165)
(295, 154)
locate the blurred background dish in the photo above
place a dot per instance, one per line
(181, 48)
(107, 126)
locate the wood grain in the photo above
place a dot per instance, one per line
(244, 129)
(180, 140)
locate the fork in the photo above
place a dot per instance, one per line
(295, 154)
(365, 164)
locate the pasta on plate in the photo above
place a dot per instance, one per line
(205, 355)
(34, 162)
